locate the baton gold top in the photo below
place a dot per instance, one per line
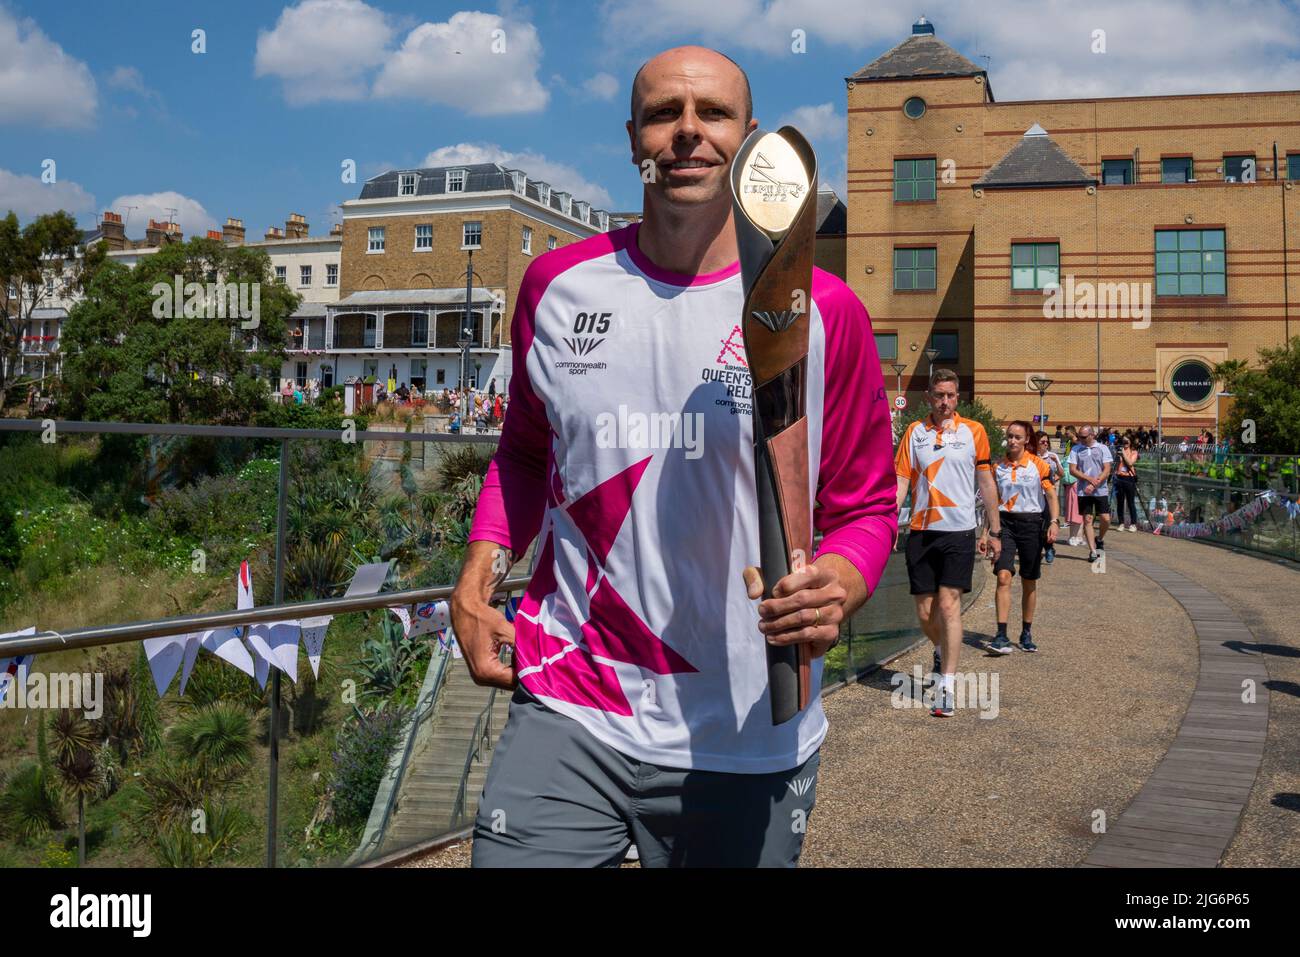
(773, 185)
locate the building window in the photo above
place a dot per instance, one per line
(281, 273)
(914, 108)
(455, 180)
(300, 374)
(371, 325)
(551, 242)
(408, 181)
(369, 369)
(1116, 172)
(49, 286)
(1190, 262)
(1293, 166)
(519, 180)
(1176, 170)
(1239, 169)
(914, 269)
(304, 275)
(419, 369)
(440, 377)
(946, 343)
(376, 237)
(472, 236)
(331, 274)
(424, 236)
(913, 180)
(1035, 265)
(887, 346)
(528, 241)
(420, 331)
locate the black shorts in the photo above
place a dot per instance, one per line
(1094, 504)
(1022, 535)
(940, 558)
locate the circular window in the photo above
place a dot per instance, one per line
(914, 107)
(1192, 381)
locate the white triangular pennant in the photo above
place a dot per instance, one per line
(313, 639)
(277, 643)
(166, 654)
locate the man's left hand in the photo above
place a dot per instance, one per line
(806, 606)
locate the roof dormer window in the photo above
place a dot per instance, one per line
(544, 194)
(406, 183)
(566, 203)
(456, 180)
(584, 210)
(519, 180)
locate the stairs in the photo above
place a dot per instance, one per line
(426, 796)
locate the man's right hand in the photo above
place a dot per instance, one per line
(482, 630)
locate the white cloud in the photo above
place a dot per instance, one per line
(602, 86)
(29, 197)
(455, 63)
(323, 49)
(1157, 47)
(751, 24)
(819, 123)
(193, 218)
(1039, 50)
(39, 83)
(559, 175)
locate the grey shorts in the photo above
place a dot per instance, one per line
(557, 797)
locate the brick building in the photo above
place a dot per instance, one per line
(408, 244)
(1168, 225)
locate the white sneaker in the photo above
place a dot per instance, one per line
(1132, 528)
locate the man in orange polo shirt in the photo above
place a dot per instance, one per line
(940, 459)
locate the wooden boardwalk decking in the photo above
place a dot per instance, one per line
(1188, 810)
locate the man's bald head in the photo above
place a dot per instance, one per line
(681, 56)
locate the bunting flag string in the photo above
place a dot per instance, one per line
(1233, 521)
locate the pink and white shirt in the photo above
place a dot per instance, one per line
(629, 449)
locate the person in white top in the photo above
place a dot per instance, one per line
(641, 711)
(1054, 463)
(941, 460)
(1091, 463)
(1025, 489)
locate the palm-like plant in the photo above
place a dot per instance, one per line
(217, 738)
(74, 757)
(29, 805)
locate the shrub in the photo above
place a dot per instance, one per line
(218, 737)
(29, 806)
(360, 760)
(462, 460)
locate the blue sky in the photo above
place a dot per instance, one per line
(258, 125)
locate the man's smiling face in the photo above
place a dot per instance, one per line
(690, 116)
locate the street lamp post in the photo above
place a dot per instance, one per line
(931, 353)
(1040, 384)
(1217, 404)
(1160, 395)
(466, 338)
(898, 368)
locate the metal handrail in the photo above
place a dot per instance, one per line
(480, 740)
(48, 641)
(232, 431)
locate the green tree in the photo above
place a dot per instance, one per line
(972, 409)
(136, 353)
(44, 249)
(1268, 396)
